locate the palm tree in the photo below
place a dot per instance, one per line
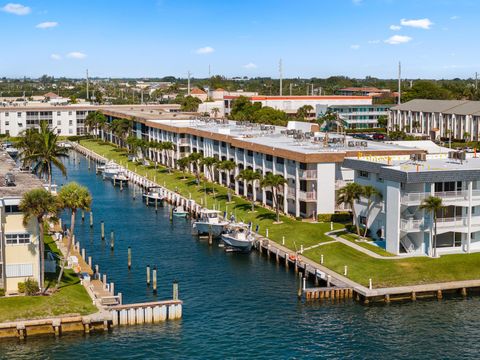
(183, 165)
(27, 145)
(210, 163)
(72, 196)
(39, 204)
(215, 112)
(46, 153)
(228, 166)
(304, 111)
(120, 128)
(433, 204)
(347, 195)
(168, 147)
(371, 194)
(275, 182)
(95, 121)
(250, 176)
(195, 158)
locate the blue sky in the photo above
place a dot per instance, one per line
(432, 38)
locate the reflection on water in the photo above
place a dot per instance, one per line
(236, 305)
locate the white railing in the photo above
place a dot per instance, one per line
(452, 221)
(308, 174)
(411, 224)
(416, 197)
(184, 141)
(413, 197)
(303, 195)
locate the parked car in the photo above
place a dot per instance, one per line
(378, 136)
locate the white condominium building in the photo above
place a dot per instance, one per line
(397, 217)
(455, 119)
(312, 162)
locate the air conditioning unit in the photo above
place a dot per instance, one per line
(462, 155)
(452, 154)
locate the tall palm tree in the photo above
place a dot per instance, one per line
(121, 128)
(46, 153)
(195, 158)
(275, 182)
(371, 194)
(347, 195)
(183, 165)
(210, 163)
(39, 204)
(215, 112)
(168, 147)
(27, 145)
(433, 204)
(72, 197)
(95, 120)
(227, 166)
(249, 176)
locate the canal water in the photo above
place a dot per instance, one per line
(236, 306)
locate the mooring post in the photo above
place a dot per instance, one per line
(283, 240)
(300, 285)
(91, 219)
(370, 285)
(156, 205)
(112, 240)
(148, 275)
(304, 283)
(345, 270)
(90, 261)
(83, 254)
(154, 275)
(102, 230)
(329, 278)
(83, 215)
(175, 290)
(266, 233)
(129, 258)
(321, 259)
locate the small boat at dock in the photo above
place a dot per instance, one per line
(153, 194)
(180, 211)
(210, 223)
(120, 178)
(238, 238)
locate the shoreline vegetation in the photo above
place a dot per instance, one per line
(383, 272)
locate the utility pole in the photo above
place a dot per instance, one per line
(280, 70)
(476, 80)
(141, 101)
(87, 86)
(291, 84)
(209, 71)
(399, 83)
(312, 89)
(188, 83)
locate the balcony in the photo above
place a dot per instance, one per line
(446, 196)
(303, 195)
(411, 225)
(457, 221)
(307, 174)
(184, 142)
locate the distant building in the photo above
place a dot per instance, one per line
(367, 91)
(357, 116)
(199, 94)
(456, 119)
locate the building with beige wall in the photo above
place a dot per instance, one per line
(19, 244)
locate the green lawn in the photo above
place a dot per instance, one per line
(336, 255)
(353, 237)
(72, 298)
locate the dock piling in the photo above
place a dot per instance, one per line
(175, 290)
(148, 275)
(112, 240)
(300, 286)
(129, 260)
(154, 275)
(91, 219)
(102, 230)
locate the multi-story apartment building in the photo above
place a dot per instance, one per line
(455, 119)
(397, 217)
(67, 120)
(19, 244)
(357, 116)
(312, 162)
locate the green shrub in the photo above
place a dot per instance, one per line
(2, 292)
(299, 218)
(31, 287)
(340, 217)
(77, 138)
(21, 287)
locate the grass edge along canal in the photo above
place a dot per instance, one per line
(383, 272)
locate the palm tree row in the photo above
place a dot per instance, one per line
(41, 205)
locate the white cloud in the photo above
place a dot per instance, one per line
(374, 41)
(47, 25)
(76, 55)
(417, 23)
(398, 39)
(55, 57)
(17, 9)
(455, 17)
(205, 50)
(355, 46)
(357, 2)
(395, 27)
(250, 65)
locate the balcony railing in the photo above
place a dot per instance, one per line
(411, 224)
(418, 197)
(307, 174)
(303, 195)
(183, 141)
(452, 221)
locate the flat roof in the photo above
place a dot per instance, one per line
(24, 181)
(425, 105)
(85, 106)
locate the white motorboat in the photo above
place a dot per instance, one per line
(210, 223)
(238, 238)
(110, 169)
(180, 211)
(13, 152)
(153, 194)
(120, 178)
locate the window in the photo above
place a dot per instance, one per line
(280, 160)
(19, 270)
(59, 122)
(12, 209)
(17, 239)
(7, 123)
(215, 142)
(379, 178)
(250, 153)
(269, 158)
(363, 174)
(70, 122)
(70, 113)
(58, 113)
(19, 114)
(224, 144)
(6, 114)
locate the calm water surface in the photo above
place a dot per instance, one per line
(237, 306)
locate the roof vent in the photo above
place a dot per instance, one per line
(9, 179)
